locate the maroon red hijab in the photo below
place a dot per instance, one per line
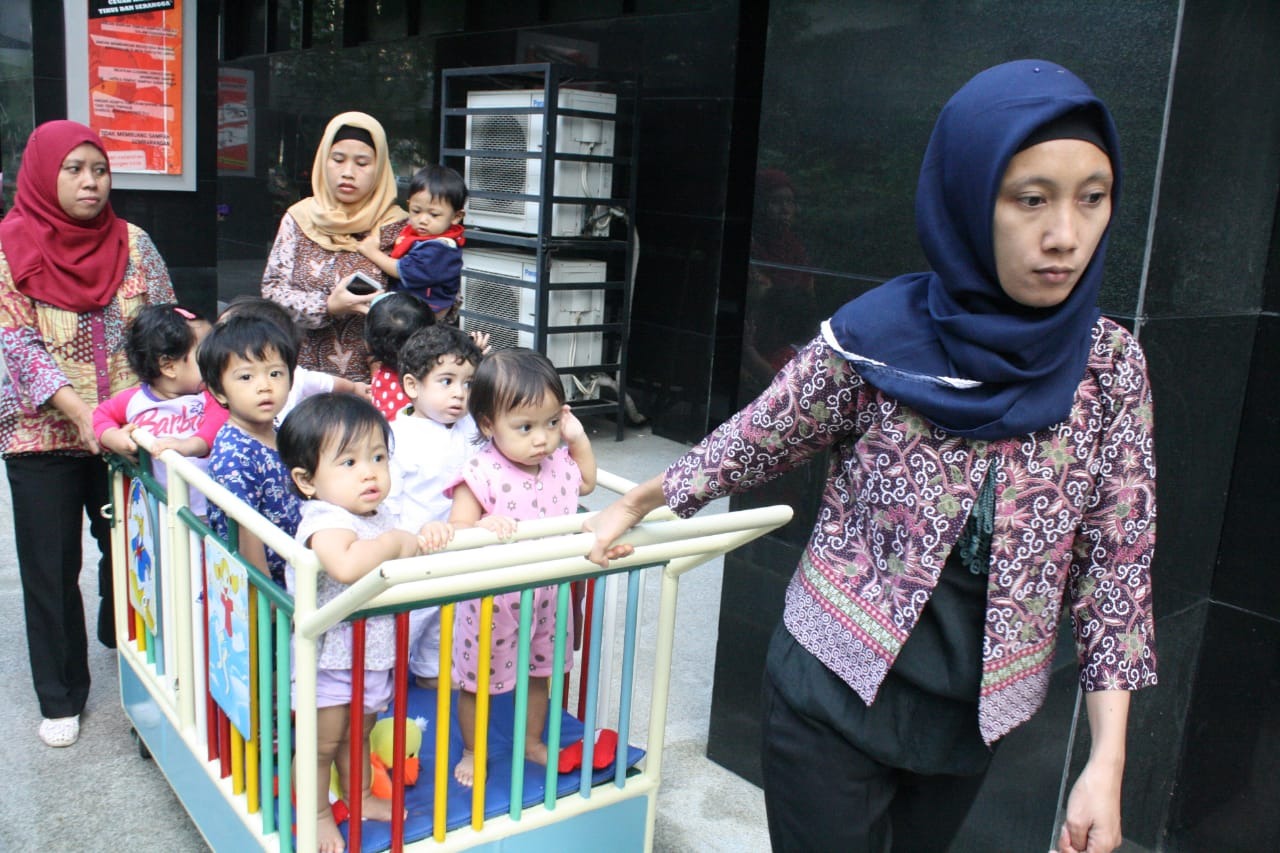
(73, 264)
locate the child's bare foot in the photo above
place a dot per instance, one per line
(536, 751)
(427, 683)
(328, 839)
(465, 770)
(376, 808)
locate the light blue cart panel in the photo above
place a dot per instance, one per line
(199, 794)
(619, 828)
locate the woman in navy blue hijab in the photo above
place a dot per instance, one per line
(1016, 356)
(991, 469)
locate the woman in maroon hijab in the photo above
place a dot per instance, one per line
(72, 275)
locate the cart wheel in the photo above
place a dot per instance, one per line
(143, 752)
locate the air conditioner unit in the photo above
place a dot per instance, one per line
(493, 307)
(516, 132)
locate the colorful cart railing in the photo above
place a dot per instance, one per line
(233, 776)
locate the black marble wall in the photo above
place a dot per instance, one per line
(295, 94)
(1226, 778)
(1210, 301)
(16, 86)
(849, 97)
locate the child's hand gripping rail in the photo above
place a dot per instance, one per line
(244, 515)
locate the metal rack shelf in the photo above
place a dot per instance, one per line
(613, 250)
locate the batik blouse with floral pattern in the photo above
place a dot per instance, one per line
(46, 347)
(1075, 521)
(299, 275)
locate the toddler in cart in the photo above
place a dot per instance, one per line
(337, 450)
(535, 461)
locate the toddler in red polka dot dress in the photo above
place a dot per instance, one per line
(392, 319)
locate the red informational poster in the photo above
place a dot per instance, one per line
(135, 83)
(235, 130)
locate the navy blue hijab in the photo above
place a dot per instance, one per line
(950, 343)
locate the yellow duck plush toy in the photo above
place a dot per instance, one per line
(381, 756)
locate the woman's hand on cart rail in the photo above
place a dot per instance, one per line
(619, 517)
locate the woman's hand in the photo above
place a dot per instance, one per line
(619, 517)
(1092, 824)
(343, 302)
(67, 401)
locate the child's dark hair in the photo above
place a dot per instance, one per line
(391, 320)
(263, 308)
(159, 332)
(510, 378)
(440, 182)
(247, 337)
(426, 347)
(319, 419)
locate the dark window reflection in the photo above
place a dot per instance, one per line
(782, 313)
(17, 111)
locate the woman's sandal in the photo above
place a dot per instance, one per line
(60, 731)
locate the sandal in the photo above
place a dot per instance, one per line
(61, 731)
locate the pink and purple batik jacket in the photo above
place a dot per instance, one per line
(1075, 523)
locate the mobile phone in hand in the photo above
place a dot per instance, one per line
(362, 285)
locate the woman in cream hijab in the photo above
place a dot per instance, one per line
(315, 257)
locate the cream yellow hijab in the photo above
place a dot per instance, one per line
(322, 218)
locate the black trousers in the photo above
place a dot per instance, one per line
(824, 794)
(51, 496)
